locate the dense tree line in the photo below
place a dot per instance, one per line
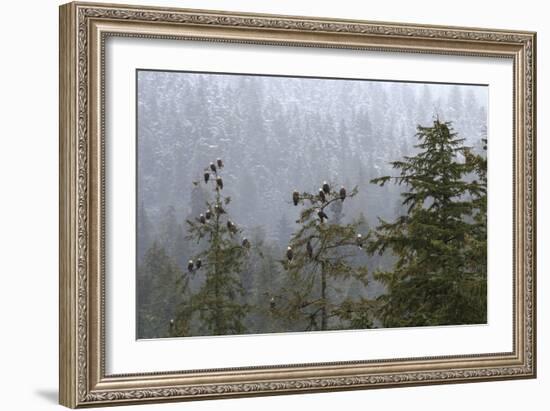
(280, 134)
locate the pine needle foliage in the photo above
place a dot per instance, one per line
(440, 244)
(217, 308)
(319, 259)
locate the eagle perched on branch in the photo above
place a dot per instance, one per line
(289, 253)
(231, 227)
(322, 215)
(322, 195)
(295, 197)
(343, 193)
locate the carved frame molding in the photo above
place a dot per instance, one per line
(83, 30)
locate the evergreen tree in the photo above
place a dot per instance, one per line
(318, 260)
(476, 250)
(218, 303)
(161, 287)
(440, 274)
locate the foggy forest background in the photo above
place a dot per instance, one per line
(274, 135)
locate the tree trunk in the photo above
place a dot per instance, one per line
(323, 300)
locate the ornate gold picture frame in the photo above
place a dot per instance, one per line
(85, 28)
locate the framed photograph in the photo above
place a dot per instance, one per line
(259, 204)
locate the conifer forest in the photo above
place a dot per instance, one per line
(272, 204)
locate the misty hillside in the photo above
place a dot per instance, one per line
(277, 134)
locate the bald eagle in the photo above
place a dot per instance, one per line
(343, 193)
(190, 265)
(219, 182)
(309, 249)
(208, 214)
(359, 240)
(326, 187)
(213, 167)
(219, 209)
(322, 195)
(322, 215)
(295, 197)
(202, 219)
(231, 227)
(289, 253)
(199, 263)
(272, 303)
(246, 243)
(206, 177)
(220, 162)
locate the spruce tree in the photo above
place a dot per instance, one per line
(161, 286)
(318, 260)
(217, 307)
(439, 244)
